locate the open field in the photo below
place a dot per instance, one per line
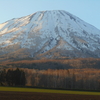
(44, 96)
(17, 89)
(16, 93)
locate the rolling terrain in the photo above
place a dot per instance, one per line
(78, 63)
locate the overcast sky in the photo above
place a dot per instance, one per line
(87, 10)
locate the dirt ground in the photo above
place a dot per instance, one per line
(44, 96)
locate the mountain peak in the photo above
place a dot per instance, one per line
(50, 34)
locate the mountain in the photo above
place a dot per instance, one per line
(53, 34)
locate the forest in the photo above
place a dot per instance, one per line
(80, 73)
(45, 64)
(80, 79)
(12, 77)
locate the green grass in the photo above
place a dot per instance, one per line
(17, 89)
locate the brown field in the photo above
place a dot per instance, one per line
(44, 96)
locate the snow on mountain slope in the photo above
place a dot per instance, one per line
(50, 34)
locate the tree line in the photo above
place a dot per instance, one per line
(84, 79)
(12, 77)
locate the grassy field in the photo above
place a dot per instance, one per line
(17, 89)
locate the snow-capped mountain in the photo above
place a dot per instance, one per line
(49, 34)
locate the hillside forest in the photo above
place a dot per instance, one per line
(86, 78)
